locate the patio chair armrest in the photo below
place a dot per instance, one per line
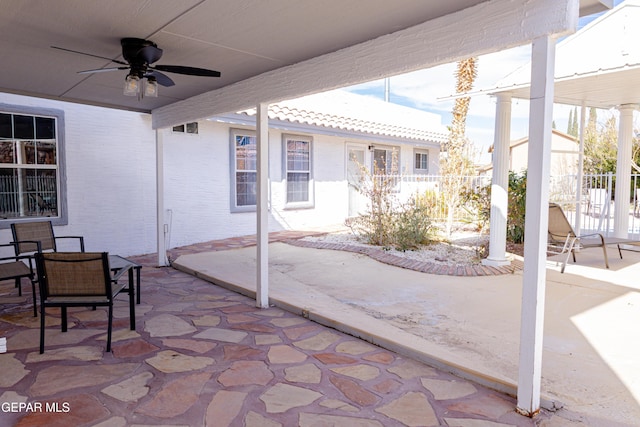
(80, 239)
(19, 257)
(593, 235)
(6, 245)
(34, 242)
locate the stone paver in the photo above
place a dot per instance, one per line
(282, 397)
(412, 409)
(205, 356)
(445, 390)
(130, 390)
(246, 372)
(169, 361)
(12, 370)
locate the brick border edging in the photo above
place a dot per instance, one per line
(415, 265)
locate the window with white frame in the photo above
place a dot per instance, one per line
(297, 150)
(191, 127)
(244, 164)
(385, 160)
(30, 164)
(421, 162)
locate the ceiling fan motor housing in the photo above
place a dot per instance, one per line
(139, 53)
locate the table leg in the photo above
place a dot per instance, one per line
(138, 284)
(132, 306)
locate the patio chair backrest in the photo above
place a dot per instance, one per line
(559, 226)
(598, 196)
(74, 274)
(39, 231)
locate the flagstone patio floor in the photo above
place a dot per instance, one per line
(202, 355)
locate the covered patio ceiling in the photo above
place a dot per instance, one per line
(242, 39)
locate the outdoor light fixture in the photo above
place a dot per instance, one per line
(151, 87)
(132, 85)
(137, 86)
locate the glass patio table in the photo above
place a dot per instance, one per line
(117, 263)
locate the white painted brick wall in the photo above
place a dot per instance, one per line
(197, 186)
(111, 188)
(110, 158)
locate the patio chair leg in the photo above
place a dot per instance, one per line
(64, 319)
(569, 253)
(41, 329)
(606, 259)
(35, 306)
(19, 286)
(109, 327)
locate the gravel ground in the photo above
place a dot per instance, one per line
(462, 248)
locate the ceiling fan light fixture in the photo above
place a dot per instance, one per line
(151, 87)
(132, 85)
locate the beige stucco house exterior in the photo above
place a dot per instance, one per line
(565, 150)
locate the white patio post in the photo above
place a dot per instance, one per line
(262, 205)
(161, 241)
(536, 224)
(623, 172)
(500, 183)
(578, 223)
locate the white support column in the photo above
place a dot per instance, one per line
(161, 240)
(623, 172)
(536, 225)
(262, 207)
(500, 183)
(578, 224)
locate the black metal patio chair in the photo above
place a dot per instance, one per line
(16, 268)
(79, 279)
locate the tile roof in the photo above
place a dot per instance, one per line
(347, 111)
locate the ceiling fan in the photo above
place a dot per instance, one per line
(139, 55)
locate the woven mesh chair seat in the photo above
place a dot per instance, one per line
(9, 270)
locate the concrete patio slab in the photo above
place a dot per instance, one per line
(468, 325)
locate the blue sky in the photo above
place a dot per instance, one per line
(424, 89)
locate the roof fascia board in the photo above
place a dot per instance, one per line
(239, 120)
(484, 28)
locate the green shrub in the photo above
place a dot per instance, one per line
(517, 206)
(413, 227)
(388, 223)
(478, 201)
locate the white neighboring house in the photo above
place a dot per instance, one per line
(94, 175)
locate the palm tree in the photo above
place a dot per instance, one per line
(457, 162)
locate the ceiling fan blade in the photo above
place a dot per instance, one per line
(191, 71)
(162, 79)
(102, 70)
(150, 54)
(90, 54)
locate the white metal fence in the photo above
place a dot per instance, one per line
(596, 199)
(427, 189)
(596, 202)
